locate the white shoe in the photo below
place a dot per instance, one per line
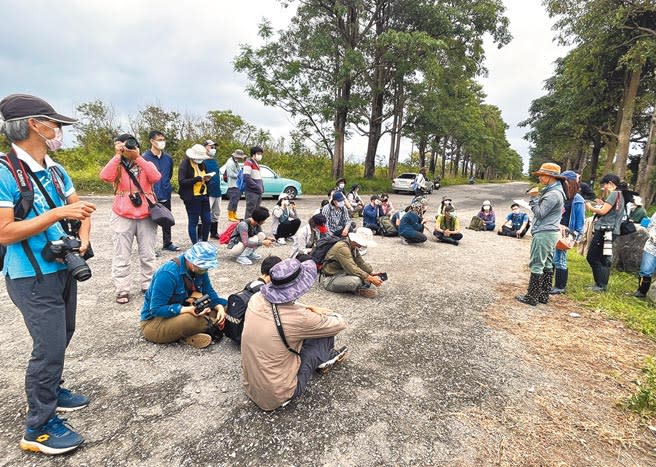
(254, 256)
(282, 241)
(243, 260)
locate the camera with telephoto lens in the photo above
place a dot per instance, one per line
(201, 303)
(67, 249)
(131, 143)
(608, 243)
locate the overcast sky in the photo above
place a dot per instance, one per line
(178, 54)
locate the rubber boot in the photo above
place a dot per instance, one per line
(545, 286)
(214, 230)
(560, 282)
(643, 287)
(531, 297)
(232, 216)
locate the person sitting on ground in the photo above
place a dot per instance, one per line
(337, 216)
(248, 237)
(397, 216)
(168, 313)
(285, 221)
(371, 213)
(635, 210)
(306, 238)
(284, 342)
(353, 198)
(265, 270)
(648, 263)
(517, 223)
(411, 227)
(486, 214)
(386, 203)
(447, 227)
(446, 201)
(344, 270)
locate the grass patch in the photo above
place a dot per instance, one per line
(644, 400)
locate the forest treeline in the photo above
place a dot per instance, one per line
(598, 114)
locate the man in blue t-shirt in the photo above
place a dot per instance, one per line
(163, 188)
(45, 291)
(517, 223)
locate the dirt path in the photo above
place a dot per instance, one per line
(445, 369)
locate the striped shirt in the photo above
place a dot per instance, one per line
(337, 218)
(253, 177)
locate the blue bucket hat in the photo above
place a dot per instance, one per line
(203, 255)
(290, 279)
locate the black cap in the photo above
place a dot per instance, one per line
(18, 106)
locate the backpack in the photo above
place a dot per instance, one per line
(387, 227)
(241, 183)
(236, 311)
(227, 234)
(320, 250)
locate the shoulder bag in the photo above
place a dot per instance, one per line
(159, 213)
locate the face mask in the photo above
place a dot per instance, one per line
(212, 152)
(258, 157)
(447, 203)
(197, 161)
(340, 186)
(340, 204)
(160, 145)
(323, 229)
(56, 142)
(377, 202)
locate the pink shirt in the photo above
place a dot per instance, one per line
(147, 176)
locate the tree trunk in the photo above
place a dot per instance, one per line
(456, 162)
(624, 137)
(435, 148)
(645, 184)
(612, 140)
(393, 155)
(421, 148)
(446, 142)
(594, 159)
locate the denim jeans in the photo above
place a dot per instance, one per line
(647, 265)
(198, 208)
(560, 259)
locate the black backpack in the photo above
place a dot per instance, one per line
(236, 311)
(320, 250)
(387, 227)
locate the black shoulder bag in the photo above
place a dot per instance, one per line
(281, 332)
(159, 214)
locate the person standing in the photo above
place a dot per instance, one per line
(419, 183)
(547, 207)
(648, 262)
(163, 189)
(230, 176)
(192, 178)
(130, 217)
(253, 180)
(45, 292)
(213, 187)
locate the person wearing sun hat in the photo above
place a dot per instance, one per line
(344, 269)
(167, 316)
(276, 370)
(547, 206)
(192, 180)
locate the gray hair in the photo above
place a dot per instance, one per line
(16, 130)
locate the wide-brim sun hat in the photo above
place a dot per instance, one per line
(637, 200)
(363, 237)
(197, 151)
(203, 255)
(550, 170)
(290, 280)
(239, 154)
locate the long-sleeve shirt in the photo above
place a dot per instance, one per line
(336, 218)
(145, 172)
(167, 292)
(305, 239)
(214, 183)
(548, 209)
(253, 177)
(410, 223)
(269, 370)
(341, 258)
(164, 165)
(370, 214)
(487, 216)
(232, 169)
(246, 234)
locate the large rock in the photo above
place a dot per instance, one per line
(627, 250)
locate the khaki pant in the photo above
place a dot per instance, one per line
(239, 248)
(341, 283)
(124, 231)
(167, 330)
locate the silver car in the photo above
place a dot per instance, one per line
(403, 183)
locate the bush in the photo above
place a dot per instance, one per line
(644, 400)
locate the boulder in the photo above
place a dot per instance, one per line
(627, 250)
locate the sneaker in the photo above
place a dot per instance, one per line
(171, 247)
(281, 241)
(198, 341)
(404, 241)
(597, 288)
(54, 437)
(368, 292)
(336, 356)
(68, 401)
(556, 291)
(244, 260)
(254, 256)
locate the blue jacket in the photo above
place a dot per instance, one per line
(410, 223)
(370, 214)
(164, 164)
(574, 215)
(167, 293)
(214, 185)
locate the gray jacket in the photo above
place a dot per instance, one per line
(548, 209)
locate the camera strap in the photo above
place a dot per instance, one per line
(46, 195)
(188, 283)
(137, 184)
(281, 331)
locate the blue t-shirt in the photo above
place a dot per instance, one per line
(17, 264)
(517, 219)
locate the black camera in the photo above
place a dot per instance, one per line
(67, 249)
(135, 199)
(201, 303)
(131, 143)
(383, 276)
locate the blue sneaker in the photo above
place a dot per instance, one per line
(55, 437)
(68, 401)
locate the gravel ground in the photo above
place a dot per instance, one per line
(443, 369)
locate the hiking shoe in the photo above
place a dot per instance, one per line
(198, 341)
(244, 260)
(556, 291)
(68, 401)
(282, 241)
(171, 247)
(368, 292)
(254, 256)
(54, 437)
(336, 356)
(597, 288)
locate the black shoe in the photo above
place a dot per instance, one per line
(336, 356)
(528, 300)
(171, 247)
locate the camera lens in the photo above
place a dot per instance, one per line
(78, 267)
(131, 143)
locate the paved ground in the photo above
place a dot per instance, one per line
(445, 369)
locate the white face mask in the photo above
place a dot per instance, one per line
(258, 157)
(486, 208)
(340, 186)
(340, 204)
(160, 145)
(447, 203)
(212, 152)
(198, 161)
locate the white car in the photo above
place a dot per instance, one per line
(404, 183)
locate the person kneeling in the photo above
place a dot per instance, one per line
(411, 227)
(167, 316)
(277, 366)
(447, 227)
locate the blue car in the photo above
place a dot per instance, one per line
(273, 184)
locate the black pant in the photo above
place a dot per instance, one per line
(166, 230)
(440, 236)
(416, 237)
(288, 229)
(313, 353)
(599, 263)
